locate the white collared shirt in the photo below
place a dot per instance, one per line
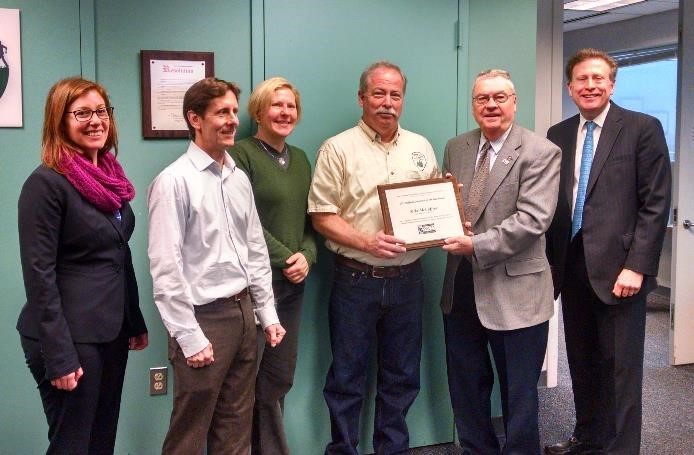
(205, 243)
(496, 147)
(580, 139)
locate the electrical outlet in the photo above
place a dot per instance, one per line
(158, 380)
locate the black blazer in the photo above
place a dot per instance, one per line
(78, 272)
(627, 201)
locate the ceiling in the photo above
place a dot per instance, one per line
(574, 20)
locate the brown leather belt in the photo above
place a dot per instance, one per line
(240, 295)
(376, 271)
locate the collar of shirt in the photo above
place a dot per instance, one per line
(201, 160)
(374, 136)
(496, 146)
(599, 120)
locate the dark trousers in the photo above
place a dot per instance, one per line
(604, 347)
(365, 311)
(213, 405)
(518, 357)
(276, 373)
(84, 420)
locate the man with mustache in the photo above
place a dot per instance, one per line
(497, 291)
(210, 266)
(377, 291)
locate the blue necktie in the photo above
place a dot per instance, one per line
(586, 161)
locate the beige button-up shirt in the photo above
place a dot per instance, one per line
(351, 165)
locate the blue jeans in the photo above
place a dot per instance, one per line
(365, 310)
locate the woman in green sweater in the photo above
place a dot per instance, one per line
(280, 175)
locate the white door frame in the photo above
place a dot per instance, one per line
(682, 292)
(549, 84)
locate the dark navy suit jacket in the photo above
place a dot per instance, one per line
(78, 272)
(627, 201)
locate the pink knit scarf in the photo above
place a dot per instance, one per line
(105, 185)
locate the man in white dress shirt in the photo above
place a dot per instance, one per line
(207, 258)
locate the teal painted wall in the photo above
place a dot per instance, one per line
(325, 58)
(123, 28)
(502, 34)
(322, 47)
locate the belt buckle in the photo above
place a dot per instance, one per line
(239, 296)
(379, 272)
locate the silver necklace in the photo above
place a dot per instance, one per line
(281, 157)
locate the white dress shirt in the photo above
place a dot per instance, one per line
(495, 147)
(205, 243)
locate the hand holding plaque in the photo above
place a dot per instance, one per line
(423, 212)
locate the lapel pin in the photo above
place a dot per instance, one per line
(506, 160)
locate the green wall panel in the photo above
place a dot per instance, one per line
(320, 45)
(323, 53)
(503, 35)
(124, 28)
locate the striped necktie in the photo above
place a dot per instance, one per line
(584, 174)
(479, 180)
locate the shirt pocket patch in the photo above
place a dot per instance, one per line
(526, 266)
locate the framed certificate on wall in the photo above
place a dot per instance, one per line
(166, 76)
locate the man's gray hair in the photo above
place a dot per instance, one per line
(376, 65)
(492, 73)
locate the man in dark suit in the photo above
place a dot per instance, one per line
(501, 293)
(604, 245)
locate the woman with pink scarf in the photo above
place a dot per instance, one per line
(82, 312)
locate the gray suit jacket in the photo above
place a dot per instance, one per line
(512, 278)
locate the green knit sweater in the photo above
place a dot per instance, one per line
(281, 198)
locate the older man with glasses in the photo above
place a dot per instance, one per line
(498, 286)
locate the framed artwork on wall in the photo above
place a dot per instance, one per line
(10, 69)
(166, 76)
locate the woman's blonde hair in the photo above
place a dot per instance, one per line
(55, 143)
(262, 95)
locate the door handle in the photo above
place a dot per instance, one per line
(687, 224)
